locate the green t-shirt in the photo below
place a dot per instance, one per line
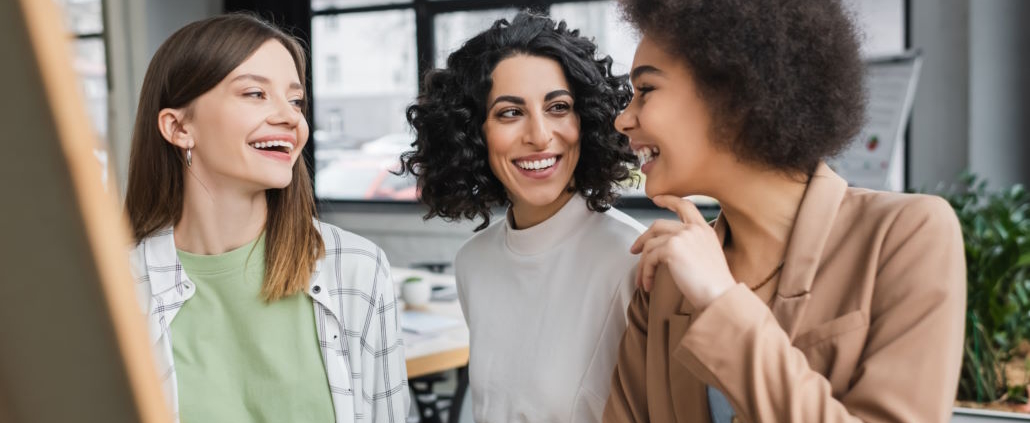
(240, 359)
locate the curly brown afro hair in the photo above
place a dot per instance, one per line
(449, 157)
(782, 78)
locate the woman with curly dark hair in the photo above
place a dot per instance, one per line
(806, 300)
(523, 116)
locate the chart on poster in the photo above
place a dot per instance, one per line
(875, 158)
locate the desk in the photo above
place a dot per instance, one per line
(434, 353)
(428, 355)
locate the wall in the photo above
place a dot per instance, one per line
(999, 86)
(973, 101)
(940, 115)
(135, 29)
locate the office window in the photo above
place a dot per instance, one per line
(332, 69)
(85, 24)
(601, 21)
(320, 5)
(451, 30)
(364, 76)
(84, 21)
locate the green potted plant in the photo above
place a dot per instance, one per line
(996, 232)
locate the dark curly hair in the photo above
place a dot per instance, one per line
(449, 156)
(782, 78)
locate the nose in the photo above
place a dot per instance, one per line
(285, 113)
(538, 134)
(626, 121)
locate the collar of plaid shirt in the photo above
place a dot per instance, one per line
(163, 287)
(170, 287)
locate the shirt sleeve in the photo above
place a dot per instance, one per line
(461, 284)
(390, 396)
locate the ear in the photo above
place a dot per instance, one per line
(171, 123)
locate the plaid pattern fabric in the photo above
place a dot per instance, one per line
(355, 314)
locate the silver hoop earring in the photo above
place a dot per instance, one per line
(189, 157)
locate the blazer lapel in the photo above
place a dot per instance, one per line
(689, 397)
(812, 225)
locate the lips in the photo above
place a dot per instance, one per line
(538, 164)
(277, 145)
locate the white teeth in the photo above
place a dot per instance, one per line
(273, 143)
(646, 154)
(537, 164)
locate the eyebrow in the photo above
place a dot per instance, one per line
(508, 98)
(262, 80)
(522, 102)
(556, 93)
(644, 70)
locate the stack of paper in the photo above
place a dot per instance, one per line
(425, 323)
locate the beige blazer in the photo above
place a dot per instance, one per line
(866, 325)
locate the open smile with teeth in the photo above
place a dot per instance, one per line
(646, 154)
(274, 145)
(536, 165)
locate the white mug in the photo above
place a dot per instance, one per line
(416, 292)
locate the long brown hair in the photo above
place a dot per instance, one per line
(191, 62)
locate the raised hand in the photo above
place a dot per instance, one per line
(689, 248)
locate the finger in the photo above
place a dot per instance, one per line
(654, 243)
(638, 279)
(684, 208)
(659, 227)
(650, 258)
(648, 266)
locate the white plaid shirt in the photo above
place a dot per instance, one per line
(353, 297)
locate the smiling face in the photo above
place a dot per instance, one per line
(247, 131)
(532, 131)
(669, 125)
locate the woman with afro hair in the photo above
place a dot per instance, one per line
(806, 300)
(523, 117)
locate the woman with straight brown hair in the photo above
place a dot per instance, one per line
(257, 311)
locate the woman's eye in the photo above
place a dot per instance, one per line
(299, 102)
(508, 113)
(643, 90)
(254, 94)
(561, 107)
